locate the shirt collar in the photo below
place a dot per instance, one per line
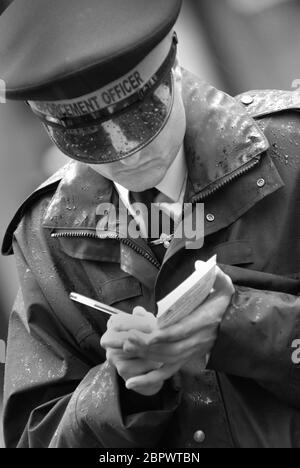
(171, 185)
(173, 182)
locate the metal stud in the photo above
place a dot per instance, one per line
(247, 99)
(210, 218)
(261, 183)
(199, 437)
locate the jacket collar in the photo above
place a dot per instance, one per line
(220, 139)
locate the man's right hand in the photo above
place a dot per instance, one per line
(135, 346)
(191, 339)
(129, 365)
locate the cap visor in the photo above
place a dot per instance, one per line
(121, 136)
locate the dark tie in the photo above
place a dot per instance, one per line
(148, 197)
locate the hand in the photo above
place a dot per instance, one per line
(128, 365)
(194, 336)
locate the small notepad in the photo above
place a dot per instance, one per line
(188, 295)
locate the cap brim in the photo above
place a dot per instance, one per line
(121, 136)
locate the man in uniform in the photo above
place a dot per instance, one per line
(104, 79)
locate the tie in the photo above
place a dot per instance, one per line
(148, 198)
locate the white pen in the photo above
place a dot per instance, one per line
(94, 304)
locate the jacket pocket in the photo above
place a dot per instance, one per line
(120, 289)
(100, 262)
(235, 253)
(122, 292)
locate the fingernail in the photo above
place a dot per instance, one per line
(131, 386)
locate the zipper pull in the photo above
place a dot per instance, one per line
(164, 239)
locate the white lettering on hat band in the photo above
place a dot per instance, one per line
(112, 94)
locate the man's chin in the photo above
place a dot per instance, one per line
(141, 185)
(138, 189)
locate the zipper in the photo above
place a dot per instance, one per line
(209, 192)
(112, 236)
(164, 239)
(167, 239)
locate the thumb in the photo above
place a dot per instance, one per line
(143, 320)
(223, 283)
(140, 312)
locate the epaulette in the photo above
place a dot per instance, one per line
(260, 103)
(46, 187)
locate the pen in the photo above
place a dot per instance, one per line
(94, 304)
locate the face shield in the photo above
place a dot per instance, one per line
(120, 119)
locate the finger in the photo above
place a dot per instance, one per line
(114, 356)
(208, 315)
(202, 319)
(119, 322)
(153, 378)
(171, 353)
(140, 338)
(166, 360)
(148, 320)
(223, 283)
(200, 340)
(130, 323)
(130, 350)
(113, 340)
(140, 311)
(132, 368)
(117, 355)
(144, 322)
(146, 355)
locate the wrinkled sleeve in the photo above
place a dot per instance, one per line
(256, 338)
(55, 398)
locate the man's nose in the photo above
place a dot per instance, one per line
(132, 160)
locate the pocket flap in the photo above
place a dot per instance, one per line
(120, 289)
(235, 253)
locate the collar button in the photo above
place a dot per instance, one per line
(247, 100)
(210, 218)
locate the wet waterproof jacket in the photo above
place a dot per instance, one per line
(243, 157)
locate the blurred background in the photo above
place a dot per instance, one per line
(236, 45)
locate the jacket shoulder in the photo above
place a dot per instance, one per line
(48, 186)
(260, 103)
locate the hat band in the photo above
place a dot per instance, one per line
(98, 117)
